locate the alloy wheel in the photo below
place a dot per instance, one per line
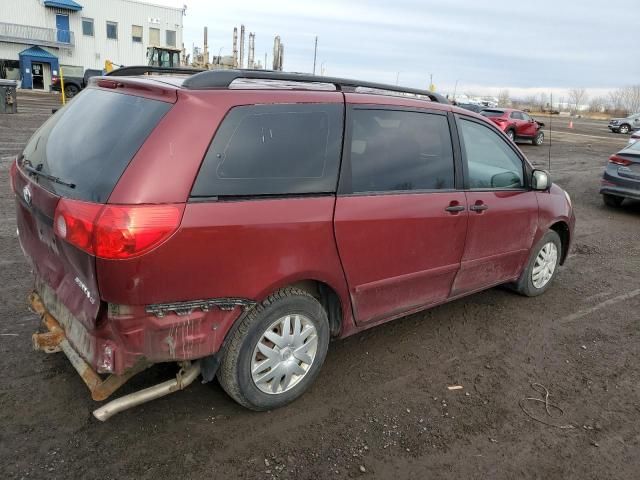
(284, 354)
(545, 265)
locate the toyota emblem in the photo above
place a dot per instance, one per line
(26, 194)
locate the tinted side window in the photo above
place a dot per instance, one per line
(491, 162)
(516, 115)
(397, 150)
(274, 150)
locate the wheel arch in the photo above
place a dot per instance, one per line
(562, 229)
(328, 298)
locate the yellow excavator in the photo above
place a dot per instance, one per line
(156, 57)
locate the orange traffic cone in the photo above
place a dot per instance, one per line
(570, 123)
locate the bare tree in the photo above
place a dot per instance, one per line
(631, 98)
(544, 102)
(577, 97)
(503, 98)
(598, 104)
(624, 101)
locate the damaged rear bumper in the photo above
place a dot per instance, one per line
(55, 340)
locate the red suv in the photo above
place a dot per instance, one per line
(235, 221)
(518, 125)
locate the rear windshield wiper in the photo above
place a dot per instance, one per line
(51, 178)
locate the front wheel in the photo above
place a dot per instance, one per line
(276, 352)
(624, 129)
(538, 139)
(542, 266)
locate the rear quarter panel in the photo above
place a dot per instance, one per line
(244, 249)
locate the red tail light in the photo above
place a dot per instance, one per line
(620, 160)
(115, 231)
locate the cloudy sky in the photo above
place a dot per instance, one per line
(526, 46)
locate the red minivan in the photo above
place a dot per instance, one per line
(234, 222)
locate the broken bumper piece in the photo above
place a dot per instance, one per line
(55, 340)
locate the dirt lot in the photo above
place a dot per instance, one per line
(381, 407)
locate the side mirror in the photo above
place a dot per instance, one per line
(540, 180)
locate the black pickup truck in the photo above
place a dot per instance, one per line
(74, 80)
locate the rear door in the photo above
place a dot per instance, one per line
(521, 126)
(87, 145)
(400, 223)
(503, 211)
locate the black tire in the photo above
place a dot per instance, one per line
(234, 373)
(624, 129)
(612, 200)
(538, 139)
(71, 90)
(511, 133)
(524, 285)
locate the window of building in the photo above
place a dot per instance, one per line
(491, 163)
(87, 27)
(400, 151)
(9, 69)
(136, 33)
(274, 150)
(112, 30)
(171, 38)
(154, 36)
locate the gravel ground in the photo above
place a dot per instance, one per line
(381, 407)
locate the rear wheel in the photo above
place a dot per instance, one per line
(542, 266)
(70, 90)
(276, 352)
(624, 129)
(511, 134)
(612, 200)
(538, 139)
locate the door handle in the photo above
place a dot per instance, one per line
(455, 208)
(479, 207)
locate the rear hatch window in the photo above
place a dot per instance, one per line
(89, 143)
(492, 113)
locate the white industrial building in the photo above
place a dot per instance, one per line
(39, 36)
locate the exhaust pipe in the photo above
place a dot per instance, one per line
(184, 378)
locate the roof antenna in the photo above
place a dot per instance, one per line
(550, 122)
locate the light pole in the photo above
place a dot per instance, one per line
(315, 55)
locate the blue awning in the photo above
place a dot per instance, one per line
(37, 52)
(64, 4)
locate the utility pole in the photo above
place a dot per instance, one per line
(315, 55)
(265, 61)
(397, 77)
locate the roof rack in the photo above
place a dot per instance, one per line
(211, 79)
(144, 69)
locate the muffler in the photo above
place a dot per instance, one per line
(185, 377)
